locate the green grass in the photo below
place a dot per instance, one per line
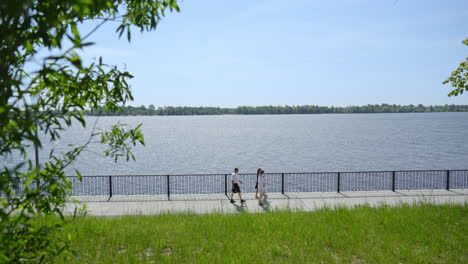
(406, 234)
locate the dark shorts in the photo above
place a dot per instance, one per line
(256, 185)
(236, 188)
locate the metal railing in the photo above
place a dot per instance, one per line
(167, 185)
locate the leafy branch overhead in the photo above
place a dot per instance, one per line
(118, 139)
(45, 86)
(459, 77)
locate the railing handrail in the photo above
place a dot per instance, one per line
(253, 173)
(391, 180)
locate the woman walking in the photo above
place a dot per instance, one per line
(261, 187)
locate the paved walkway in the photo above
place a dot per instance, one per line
(219, 203)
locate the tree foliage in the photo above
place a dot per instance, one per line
(459, 77)
(278, 110)
(39, 40)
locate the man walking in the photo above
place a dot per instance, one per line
(235, 186)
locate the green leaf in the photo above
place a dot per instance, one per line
(78, 174)
(76, 34)
(76, 61)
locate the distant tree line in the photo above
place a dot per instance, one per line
(263, 110)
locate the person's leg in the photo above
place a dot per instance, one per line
(240, 195)
(238, 190)
(256, 193)
(260, 198)
(235, 189)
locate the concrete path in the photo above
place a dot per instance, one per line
(219, 203)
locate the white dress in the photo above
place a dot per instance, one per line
(261, 184)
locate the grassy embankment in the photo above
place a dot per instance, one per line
(405, 234)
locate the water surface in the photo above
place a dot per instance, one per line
(281, 143)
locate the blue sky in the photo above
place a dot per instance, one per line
(249, 52)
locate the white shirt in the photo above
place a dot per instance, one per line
(235, 178)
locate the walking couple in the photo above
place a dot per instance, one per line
(260, 186)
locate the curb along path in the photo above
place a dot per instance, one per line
(219, 203)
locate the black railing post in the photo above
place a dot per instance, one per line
(168, 189)
(448, 180)
(338, 183)
(393, 181)
(225, 184)
(110, 186)
(282, 183)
